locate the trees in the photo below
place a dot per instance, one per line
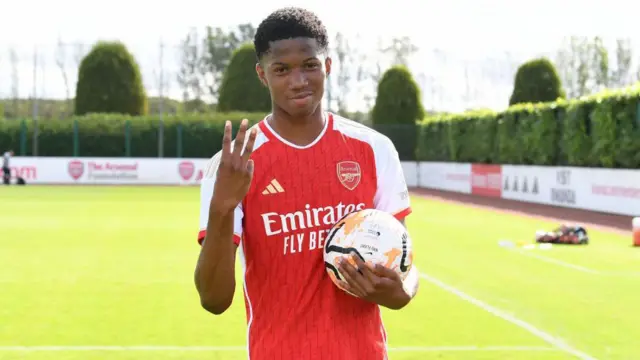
(109, 81)
(536, 81)
(241, 90)
(397, 108)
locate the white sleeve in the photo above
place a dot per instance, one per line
(206, 192)
(392, 194)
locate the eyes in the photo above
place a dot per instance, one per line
(309, 66)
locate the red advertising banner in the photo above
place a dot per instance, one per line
(486, 180)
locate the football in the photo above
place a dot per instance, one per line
(375, 236)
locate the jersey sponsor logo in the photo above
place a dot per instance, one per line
(305, 229)
(349, 174)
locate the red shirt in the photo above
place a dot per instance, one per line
(293, 309)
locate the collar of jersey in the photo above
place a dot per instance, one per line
(273, 135)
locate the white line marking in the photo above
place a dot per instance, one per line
(622, 273)
(558, 262)
(552, 340)
(243, 348)
(470, 348)
(580, 268)
(121, 348)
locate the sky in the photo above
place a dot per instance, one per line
(452, 36)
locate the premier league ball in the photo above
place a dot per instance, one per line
(375, 236)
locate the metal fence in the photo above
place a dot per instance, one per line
(148, 139)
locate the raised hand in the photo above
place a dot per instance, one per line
(235, 170)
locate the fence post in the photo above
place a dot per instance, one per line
(34, 151)
(23, 138)
(127, 138)
(161, 137)
(179, 140)
(76, 139)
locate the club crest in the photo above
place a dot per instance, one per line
(349, 174)
(75, 169)
(186, 169)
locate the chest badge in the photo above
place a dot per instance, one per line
(349, 174)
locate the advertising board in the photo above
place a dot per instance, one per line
(486, 180)
(445, 176)
(615, 191)
(108, 171)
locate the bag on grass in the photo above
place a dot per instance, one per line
(564, 234)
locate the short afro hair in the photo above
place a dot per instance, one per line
(289, 23)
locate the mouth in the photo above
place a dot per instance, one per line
(302, 99)
(302, 95)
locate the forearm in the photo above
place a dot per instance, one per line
(215, 275)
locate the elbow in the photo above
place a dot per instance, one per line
(215, 307)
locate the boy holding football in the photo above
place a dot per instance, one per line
(270, 196)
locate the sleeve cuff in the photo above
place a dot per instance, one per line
(202, 233)
(402, 214)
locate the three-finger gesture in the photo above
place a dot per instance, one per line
(236, 168)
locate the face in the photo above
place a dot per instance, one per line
(295, 71)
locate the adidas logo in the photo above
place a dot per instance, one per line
(274, 187)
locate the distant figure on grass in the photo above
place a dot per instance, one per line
(272, 194)
(6, 170)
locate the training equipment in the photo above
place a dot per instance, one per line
(375, 236)
(564, 234)
(635, 224)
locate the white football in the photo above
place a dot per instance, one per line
(375, 236)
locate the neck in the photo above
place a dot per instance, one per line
(299, 130)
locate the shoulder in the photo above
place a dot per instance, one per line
(380, 143)
(214, 162)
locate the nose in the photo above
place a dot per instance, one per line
(298, 79)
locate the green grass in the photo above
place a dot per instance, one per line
(106, 266)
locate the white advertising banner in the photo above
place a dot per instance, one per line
(410, 170)
(446, 176)
(528, 183)
(108, 171)
(613, 191)
(127, 171)
(605, 190)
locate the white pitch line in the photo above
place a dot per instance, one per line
(552, 340)
(622, 273)
(470, 348)
(558, 262)
(580, 268)
(89, 348)
(64, 348)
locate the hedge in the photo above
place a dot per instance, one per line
(191, 135)
(111, 135)
(602, 130)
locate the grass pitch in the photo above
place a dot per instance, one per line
(107, 273)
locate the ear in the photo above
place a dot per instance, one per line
(327, 65)
(261, 74)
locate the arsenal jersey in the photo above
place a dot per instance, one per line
(294, 311)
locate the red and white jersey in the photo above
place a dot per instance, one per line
(293, 309)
